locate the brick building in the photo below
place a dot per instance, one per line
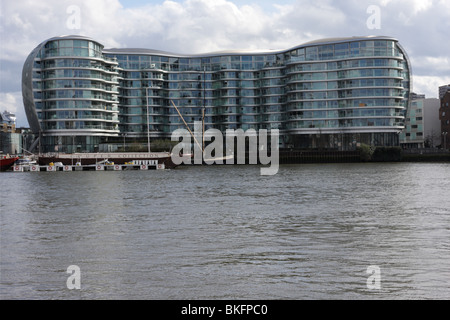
(444, 116)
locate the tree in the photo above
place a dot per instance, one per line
(366, 152)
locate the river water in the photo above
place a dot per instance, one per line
(226, 232)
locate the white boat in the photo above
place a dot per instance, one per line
(25, 162)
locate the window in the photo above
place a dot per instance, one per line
(311, 53)
(80, 43)
(341, 46)
(65, 43)
(325, 52)
(380, 43)
(354, 48)
(341, 49)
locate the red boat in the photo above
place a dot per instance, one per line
(7, 162)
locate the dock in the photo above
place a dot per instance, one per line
(135, 165)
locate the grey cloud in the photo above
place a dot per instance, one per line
(196, 26)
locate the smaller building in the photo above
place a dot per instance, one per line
(412, 137)
(422, 124)
(10, 137)
(431, 122)
(416, 96)
(7, 122)
(443, 90)
(444, 116)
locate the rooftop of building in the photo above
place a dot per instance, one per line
(245, 51)
(7, 117)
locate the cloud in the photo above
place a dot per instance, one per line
(8, 102)
(197, 26)
(431, 66)
(12, 102)
(194, 26)
(200, 26)
(429, 85)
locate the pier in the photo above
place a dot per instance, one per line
(135, 165)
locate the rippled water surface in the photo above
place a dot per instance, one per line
(225, 232)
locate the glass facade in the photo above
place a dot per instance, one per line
(75, 94)
(324, 94)
(413, 135)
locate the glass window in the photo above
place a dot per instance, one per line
(354, 49)
(236, 59)
(366, 44)
(331, 65)
(380, 51)
(51, 45)
(81, 52)
(326, 52)
(380, 44)
(65, 51)
(65, 43)
(332, 75)
(153, 59)
(300, 52)
(367, 51)
(341, 46)
(341, 49)
(311, 53)
(80, 43)
(332, 85)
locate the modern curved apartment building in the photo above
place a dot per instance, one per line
(328, 94)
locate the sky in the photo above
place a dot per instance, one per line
(202, 26)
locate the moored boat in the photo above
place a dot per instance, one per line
(6, 162)
(25, 162)
(116, 158)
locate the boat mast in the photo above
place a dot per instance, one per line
(193, 136)
(148, 124)
(204, 107)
